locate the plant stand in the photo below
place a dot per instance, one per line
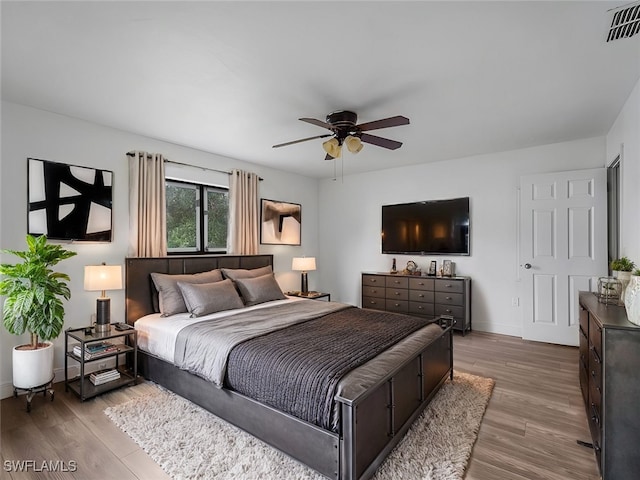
(33, 391)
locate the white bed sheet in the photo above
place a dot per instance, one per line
(157, 335)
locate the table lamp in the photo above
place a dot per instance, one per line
(102, 278)
(304, 265)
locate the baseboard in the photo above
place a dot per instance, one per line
(502, 329)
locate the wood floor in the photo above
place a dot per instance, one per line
(529, 430)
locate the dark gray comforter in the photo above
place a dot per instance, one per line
(297, 369)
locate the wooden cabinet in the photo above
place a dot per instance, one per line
(422, 296)
(609, 366)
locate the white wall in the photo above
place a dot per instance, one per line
(624, 139)
(350, 222)
(27, 132)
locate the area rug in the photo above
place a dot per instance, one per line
(190, 443)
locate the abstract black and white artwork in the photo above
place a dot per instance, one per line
(280, 222)
(68, 202)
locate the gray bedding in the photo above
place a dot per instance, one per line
(296, 369)
(203, 348)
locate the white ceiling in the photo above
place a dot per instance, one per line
(232, 78)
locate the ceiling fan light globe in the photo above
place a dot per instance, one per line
(354, 145)
(332, 147)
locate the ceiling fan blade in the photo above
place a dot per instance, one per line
(302, 140)
(329, 157)
(384, 123)
(380, 142)
(318, 123)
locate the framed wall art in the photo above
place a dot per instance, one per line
(69, 202)
(280, 222)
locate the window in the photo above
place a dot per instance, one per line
(197, 217)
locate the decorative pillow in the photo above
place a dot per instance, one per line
(204, 298)
(235, 273)
(259, 289)
(171, 301)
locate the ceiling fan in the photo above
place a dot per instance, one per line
(345, 131)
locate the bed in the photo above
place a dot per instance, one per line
(373, 408)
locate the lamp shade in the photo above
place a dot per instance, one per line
(304, 264)
(102, 277)
(332, 147)
(354, 144)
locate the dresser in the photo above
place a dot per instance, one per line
(609, 369)
(423, 296)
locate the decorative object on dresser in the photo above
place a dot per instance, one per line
(448, 268)
(33, 303)
(609, 364)
(425, 297)
(632, 298)
(304, 265)
(102, 278)
(621, 269)
(433, 266)
(608, 290)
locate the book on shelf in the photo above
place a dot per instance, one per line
(95, 350)
(104, 376)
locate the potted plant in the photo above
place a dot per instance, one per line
(33, 304)
(621, 268)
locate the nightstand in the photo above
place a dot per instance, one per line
(311, 295)
(116, 344)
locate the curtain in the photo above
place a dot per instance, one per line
(243, 213)
(147, 206)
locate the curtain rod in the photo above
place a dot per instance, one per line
(131, 154)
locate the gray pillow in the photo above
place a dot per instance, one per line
(235, 273)
(259, 289)
(204, 298)
(170, 296)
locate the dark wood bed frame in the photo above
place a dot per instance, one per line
(371, 424)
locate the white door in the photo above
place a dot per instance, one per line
(563, 249)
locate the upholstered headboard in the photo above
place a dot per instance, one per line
(141, 295)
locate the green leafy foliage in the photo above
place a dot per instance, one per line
(33, 291)
(622, 264)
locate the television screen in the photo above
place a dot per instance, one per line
(427, 228)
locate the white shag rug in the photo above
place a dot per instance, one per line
(190, 443)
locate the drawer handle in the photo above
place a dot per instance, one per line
(448, 298)
(421, 295)
(448, 285)
(420, 307)
(397, 282)
(372, 302)
(373, 280)
(396, 293)
(397, 305)
(448, 311)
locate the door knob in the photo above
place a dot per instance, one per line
(527, 266)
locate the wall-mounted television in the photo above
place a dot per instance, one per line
(436, 227)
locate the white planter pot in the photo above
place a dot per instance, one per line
(32, 368)
(624, 278)
(632, 300)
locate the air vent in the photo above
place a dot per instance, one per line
(625, 22)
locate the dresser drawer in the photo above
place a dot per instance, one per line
(373, 302)
(368, 291)
(396, 282)
(449, 298)
(373, 280)
(447, 285)
(595, 368)
(420, 308)
(584, 320)
(397, 293)
(595, 336)
(399, 306)
(421, 283)
(421, 296)
(454, 311)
